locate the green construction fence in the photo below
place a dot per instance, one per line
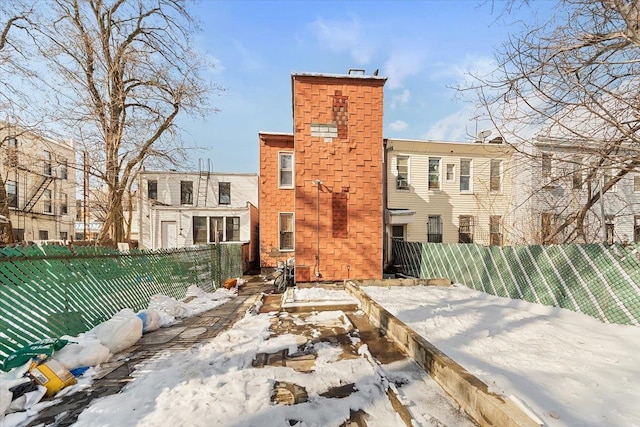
(600, 280)
(49, 291)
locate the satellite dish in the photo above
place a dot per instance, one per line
(484, 134)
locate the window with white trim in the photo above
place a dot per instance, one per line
(199, 230)
(186, 192)
(152, 189)
(224, 193)
(451, 172)
(434, 173)
(47, 170)
(402, 169)
(577, 174)
(12, 194)
(285, 173)
(495, 230)
(465, 176)
(216, 229)
(47, 206)
(546, 164)
(398, 232)
(63, 170)
(495, 175)
(232, 229)
(64, 204)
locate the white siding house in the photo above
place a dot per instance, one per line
(180, 209)
(448, 192)
(557, 178)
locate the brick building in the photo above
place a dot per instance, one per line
(39, 176)
(321, 194)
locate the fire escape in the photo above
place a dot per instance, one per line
(203, 182)
(36, 194)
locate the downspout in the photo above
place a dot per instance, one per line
(385, 242)
(316, 269)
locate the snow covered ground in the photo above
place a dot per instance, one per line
(217, 383)
(568, 368)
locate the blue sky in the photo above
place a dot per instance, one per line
(422, 47)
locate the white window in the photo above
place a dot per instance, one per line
(12, 194)
(546, 165)
(402, 169)
(434, 173)
(63, 169)
(465, 176)
(577, 173)
(286, 231)
(47, 206)
(451, 172)
(495, 230)
(47, 163)
(64, 204)
(608, 176)
(224, 193)
(495, 178)
(398, 232)
(285, 165)
(186, 192)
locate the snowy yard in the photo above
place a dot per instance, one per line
(243, 377)
(568, 368)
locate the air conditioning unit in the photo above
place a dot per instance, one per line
(402, 184)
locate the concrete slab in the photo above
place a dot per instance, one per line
(161, 336)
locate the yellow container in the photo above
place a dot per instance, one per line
(53, 376)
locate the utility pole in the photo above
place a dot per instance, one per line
(85, 195)
(602, 215)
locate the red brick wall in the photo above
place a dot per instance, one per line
(349, 232)
(272, 200)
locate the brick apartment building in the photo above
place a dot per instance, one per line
(321, 193)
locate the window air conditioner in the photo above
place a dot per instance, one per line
(402, 184)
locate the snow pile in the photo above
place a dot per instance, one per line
(217, 385)
(196, 301)
(101, 343)
(318, 297)
(569, 368)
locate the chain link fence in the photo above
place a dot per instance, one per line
(599, 280)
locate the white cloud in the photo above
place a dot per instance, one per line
(461, 71)
(401, 98)
(398, 126)
(455, 127)
(401, 65)
(215, 65)
(344, 36)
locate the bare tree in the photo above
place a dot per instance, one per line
(574, 79)
(128, 70)
(14, 15)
